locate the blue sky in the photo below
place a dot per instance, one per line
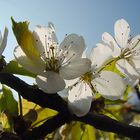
(89, 18)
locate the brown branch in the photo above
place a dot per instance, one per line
(35, 95)
(105, 123)
(101, 122)
(46, 128)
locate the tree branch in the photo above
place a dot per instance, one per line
(105, 123)
(46, 128)
(55, 102)
(99, 121)
(33, 94)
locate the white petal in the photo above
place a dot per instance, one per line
(109, 40)
(44, 36)
(50, 82)
(84, 55)
(53, 35)
(135, 43)
(74, 44)
(79, 99)
(134, 46)
(27, 63)
(109, 85)
(122, 31)
(124, 67)
(132, 82)
(136, 63)
(63, 93)
(72, 82)
(3, 41)
(75, 68)
(69, 83)
(99, 55)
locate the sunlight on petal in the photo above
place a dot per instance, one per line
(79, 99)
(50, 82)
(109, 85)
(122, 30)
(28, 64)
(75, 68)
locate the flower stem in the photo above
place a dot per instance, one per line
(108, 63)
(20, 105)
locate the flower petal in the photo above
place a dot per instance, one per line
(74, 45)
(50, 82)
(63, 93)
(109, 40)
(79, 99)
(44, 37)
(136, 63)
(27, 63)
(69, 83)
(134, 45)
(122, 31)
(109, 85)
(99, 55)
(127, 69)
(3, 41)
(75, 68)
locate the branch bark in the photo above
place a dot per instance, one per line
(105, 123)
(33, 94)
(99, 121)
(55, 102)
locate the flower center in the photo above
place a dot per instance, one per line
(55, 57)
(131, 51)
(87, 77)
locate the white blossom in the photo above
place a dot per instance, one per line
(125, 48)
(108, 84)
(56, 62)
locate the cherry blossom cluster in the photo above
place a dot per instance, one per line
(77, 75)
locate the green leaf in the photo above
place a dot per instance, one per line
(89, 133)
(15, 68)
(76, 131)
(126, 93)
(81, 131)
(8, 108)
(113, 112)
(7, 102)
(111, 136)
(25, 39)
(41, 114)
(19, 29)
(6, 122)
(31, 116)
(2, 103)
